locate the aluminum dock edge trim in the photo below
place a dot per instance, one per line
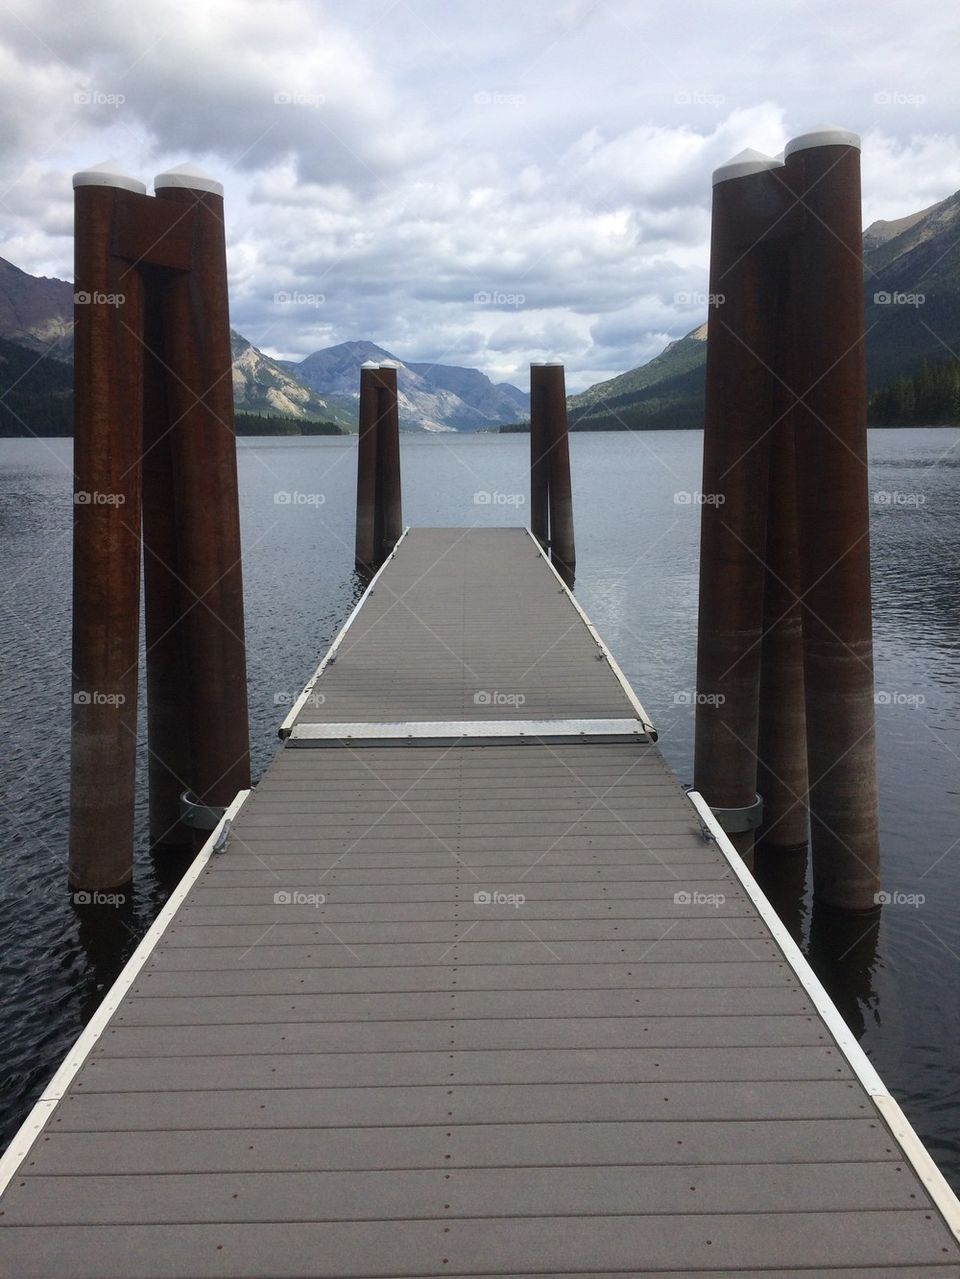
(595, 635)
(51, 1096)
(914, 1151)
(283, 731)
(468, 732)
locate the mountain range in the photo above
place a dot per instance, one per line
(36, 312)
(667, 392)
(912, 301)
(36, 316)
(263, 385)
(912, 307)
(433, 397)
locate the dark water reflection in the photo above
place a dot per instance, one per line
(895, 978)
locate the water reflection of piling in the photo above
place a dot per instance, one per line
(843, 953)
(782, 874)
(841, 945)
(107, 932)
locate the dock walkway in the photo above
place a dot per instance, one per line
(473, 988)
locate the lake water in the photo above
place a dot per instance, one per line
(896, 981)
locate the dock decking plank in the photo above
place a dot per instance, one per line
(737, 1242)
(522, 1145)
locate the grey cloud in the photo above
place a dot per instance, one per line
(421, 154)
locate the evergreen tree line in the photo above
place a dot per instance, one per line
(930, 396)
(52, 414)
(36, 398)
(26, 415)
(270, 424)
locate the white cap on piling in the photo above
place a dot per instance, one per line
(389, 364)
(824, 135)
(744, 163)
(189, 178)
(108, 175)
(369, 364)
(553, 364)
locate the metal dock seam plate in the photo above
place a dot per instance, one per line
(468, 732)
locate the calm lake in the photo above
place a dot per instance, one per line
(897, 981)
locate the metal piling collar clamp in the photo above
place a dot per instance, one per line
(735, 821)
(200, 816)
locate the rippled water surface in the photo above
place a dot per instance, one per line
(897, 982)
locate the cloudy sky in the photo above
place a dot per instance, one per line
(478, 183)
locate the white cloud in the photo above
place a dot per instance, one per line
(400, 159)
(904, 175)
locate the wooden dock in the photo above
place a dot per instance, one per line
(469, 986)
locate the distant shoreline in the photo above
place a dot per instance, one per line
(339, 433)
(523, 428)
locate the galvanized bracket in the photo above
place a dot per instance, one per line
(199, 816)
(223, 839)
(735, 821)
